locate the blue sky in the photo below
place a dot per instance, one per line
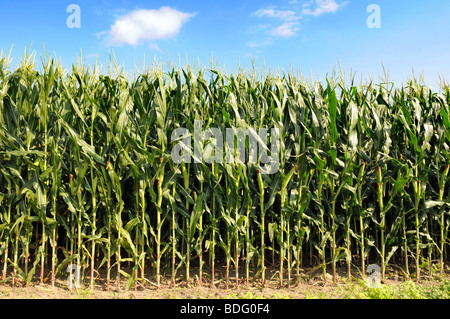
(305, 35)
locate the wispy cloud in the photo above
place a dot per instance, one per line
(154, 46)
(147, 26)
(98, 35)
(288, 18)
(292, 14)
(250, 55)
(322, 6)
(286, 30)
(286, 15)
(256, 44)
(91, 55)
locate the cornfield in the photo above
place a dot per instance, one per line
(86, 176)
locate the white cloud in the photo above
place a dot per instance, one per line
(147, 25)
(286, 30)
(322, 6)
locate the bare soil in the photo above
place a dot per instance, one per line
(310, 284)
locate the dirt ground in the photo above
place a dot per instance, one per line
(310, 285)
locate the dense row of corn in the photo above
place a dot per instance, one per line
(86, 175)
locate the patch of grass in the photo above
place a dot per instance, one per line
(439, 292)
(323, 295)
(406, 290)
(82, 293)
